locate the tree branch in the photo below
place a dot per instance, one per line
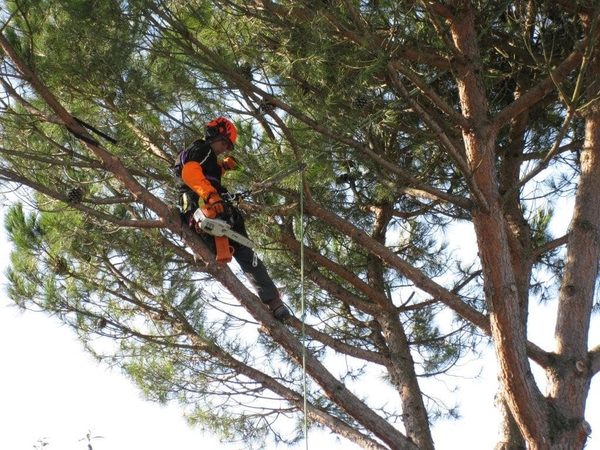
(339, 346)
(456, 118)
(538, 92)
(316, 260)
(388, 256)
(333, 387)
(456, 154)
(138, 223)
(549, 246)
(594, 357)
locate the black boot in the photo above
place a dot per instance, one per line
(279, 310)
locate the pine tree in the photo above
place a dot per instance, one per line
(408, 118)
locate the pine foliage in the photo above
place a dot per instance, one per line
(374, 98)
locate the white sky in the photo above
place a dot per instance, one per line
(50, 389)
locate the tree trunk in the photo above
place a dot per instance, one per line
(510, 436)
(401, 367)
(520, 249)
(570, 377)
(500, 282)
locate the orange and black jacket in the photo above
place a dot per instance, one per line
(201, 174)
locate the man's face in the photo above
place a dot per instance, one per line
(221, 145)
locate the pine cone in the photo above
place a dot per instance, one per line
(75, 195)
(360, 102)
(247, 71)
(265, 107)
(60, 266)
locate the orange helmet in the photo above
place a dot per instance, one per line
(221, 127)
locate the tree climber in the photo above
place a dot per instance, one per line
(201, 171)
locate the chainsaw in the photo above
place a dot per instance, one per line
(219, 228)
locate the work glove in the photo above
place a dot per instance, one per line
(214, 203)
(229, 163)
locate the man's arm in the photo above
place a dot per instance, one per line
(193, 176)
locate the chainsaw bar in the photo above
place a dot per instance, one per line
(217, 227)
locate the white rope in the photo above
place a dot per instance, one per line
(303, 309)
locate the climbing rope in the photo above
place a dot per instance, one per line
(303, 308)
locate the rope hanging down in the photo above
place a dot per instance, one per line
(302, 306)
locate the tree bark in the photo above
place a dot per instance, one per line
(519, 236)
(500, 282)
(402, 366)
(570, 378)
(510, 436)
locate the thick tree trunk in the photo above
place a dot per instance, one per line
(571, 376)
(520, 249)
(508, 332)
(493, 237)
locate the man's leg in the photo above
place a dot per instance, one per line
(259, 278)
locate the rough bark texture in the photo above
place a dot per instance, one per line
(509, 434)
(520, 249)
(493, 237)
(570, 378)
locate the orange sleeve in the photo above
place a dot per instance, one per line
(193, 176)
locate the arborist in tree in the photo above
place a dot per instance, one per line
(208, 208)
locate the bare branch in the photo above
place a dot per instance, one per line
(551, 153)
(456, 154)
(416, 276)
(549, 246)
(456, 118)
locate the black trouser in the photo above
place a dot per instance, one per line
(251, 265)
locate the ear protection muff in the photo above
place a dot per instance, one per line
(212, 132)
